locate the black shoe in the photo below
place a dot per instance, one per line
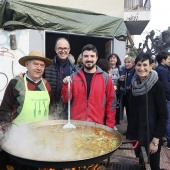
(168, 146)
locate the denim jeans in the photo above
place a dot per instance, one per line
(167, 126)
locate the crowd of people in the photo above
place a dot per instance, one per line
(136, 87)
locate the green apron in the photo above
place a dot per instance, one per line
(35, 107)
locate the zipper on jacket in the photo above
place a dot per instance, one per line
(86, 109)
(89, 94)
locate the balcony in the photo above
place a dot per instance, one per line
(136, 15)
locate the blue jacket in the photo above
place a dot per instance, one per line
(55, 74)
(164, 77)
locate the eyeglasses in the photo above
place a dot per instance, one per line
(62, 49)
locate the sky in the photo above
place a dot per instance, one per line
(159, 20)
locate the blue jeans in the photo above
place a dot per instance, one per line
(167, 126)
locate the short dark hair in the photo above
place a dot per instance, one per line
(118, 63)
(104, 64)
(143, 57)
(61, 38)
(90, 47)
(161, 55)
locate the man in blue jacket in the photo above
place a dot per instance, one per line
(163, 59)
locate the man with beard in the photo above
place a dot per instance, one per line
(92, 91)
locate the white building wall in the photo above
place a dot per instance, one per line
(119, 47)
(26, 40)
(36, 40)
(137, 16)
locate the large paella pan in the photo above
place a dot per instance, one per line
(47, 145)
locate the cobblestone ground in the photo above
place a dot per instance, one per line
(165, 157)
(165, 153)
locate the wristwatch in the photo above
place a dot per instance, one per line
(155, 143)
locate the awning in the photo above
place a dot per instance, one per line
(17, 14)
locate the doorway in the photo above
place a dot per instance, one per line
(76, 43)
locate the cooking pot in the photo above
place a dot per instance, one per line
(89, 143)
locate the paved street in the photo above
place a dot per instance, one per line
(165, 157)
(165, 153)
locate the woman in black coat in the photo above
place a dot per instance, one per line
(147, 107)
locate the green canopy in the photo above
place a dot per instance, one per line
(18, 14)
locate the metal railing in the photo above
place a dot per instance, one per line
(137, 4)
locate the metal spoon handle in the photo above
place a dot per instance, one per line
(69, 102)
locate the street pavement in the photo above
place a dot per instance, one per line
(165, 153)
(165, 157)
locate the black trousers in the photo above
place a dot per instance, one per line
(154, 158)
(118, 109)
(155, 161)
(125, 104)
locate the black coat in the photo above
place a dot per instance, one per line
(55, 75)
(157, 113)
(164, 77)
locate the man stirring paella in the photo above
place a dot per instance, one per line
(27, 98)
(92, 91)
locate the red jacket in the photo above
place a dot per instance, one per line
(100, 107)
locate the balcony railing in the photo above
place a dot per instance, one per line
(137, 5)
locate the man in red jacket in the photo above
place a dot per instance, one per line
(92, 91)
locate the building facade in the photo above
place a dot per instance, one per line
(134, 13)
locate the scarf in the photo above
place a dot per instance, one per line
(140, 88)
(63, 70)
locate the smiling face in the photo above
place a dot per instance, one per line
(129, 63)
(62, 49)
(35, 69)
(113, 60)
(143, 69)
(89, 59)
